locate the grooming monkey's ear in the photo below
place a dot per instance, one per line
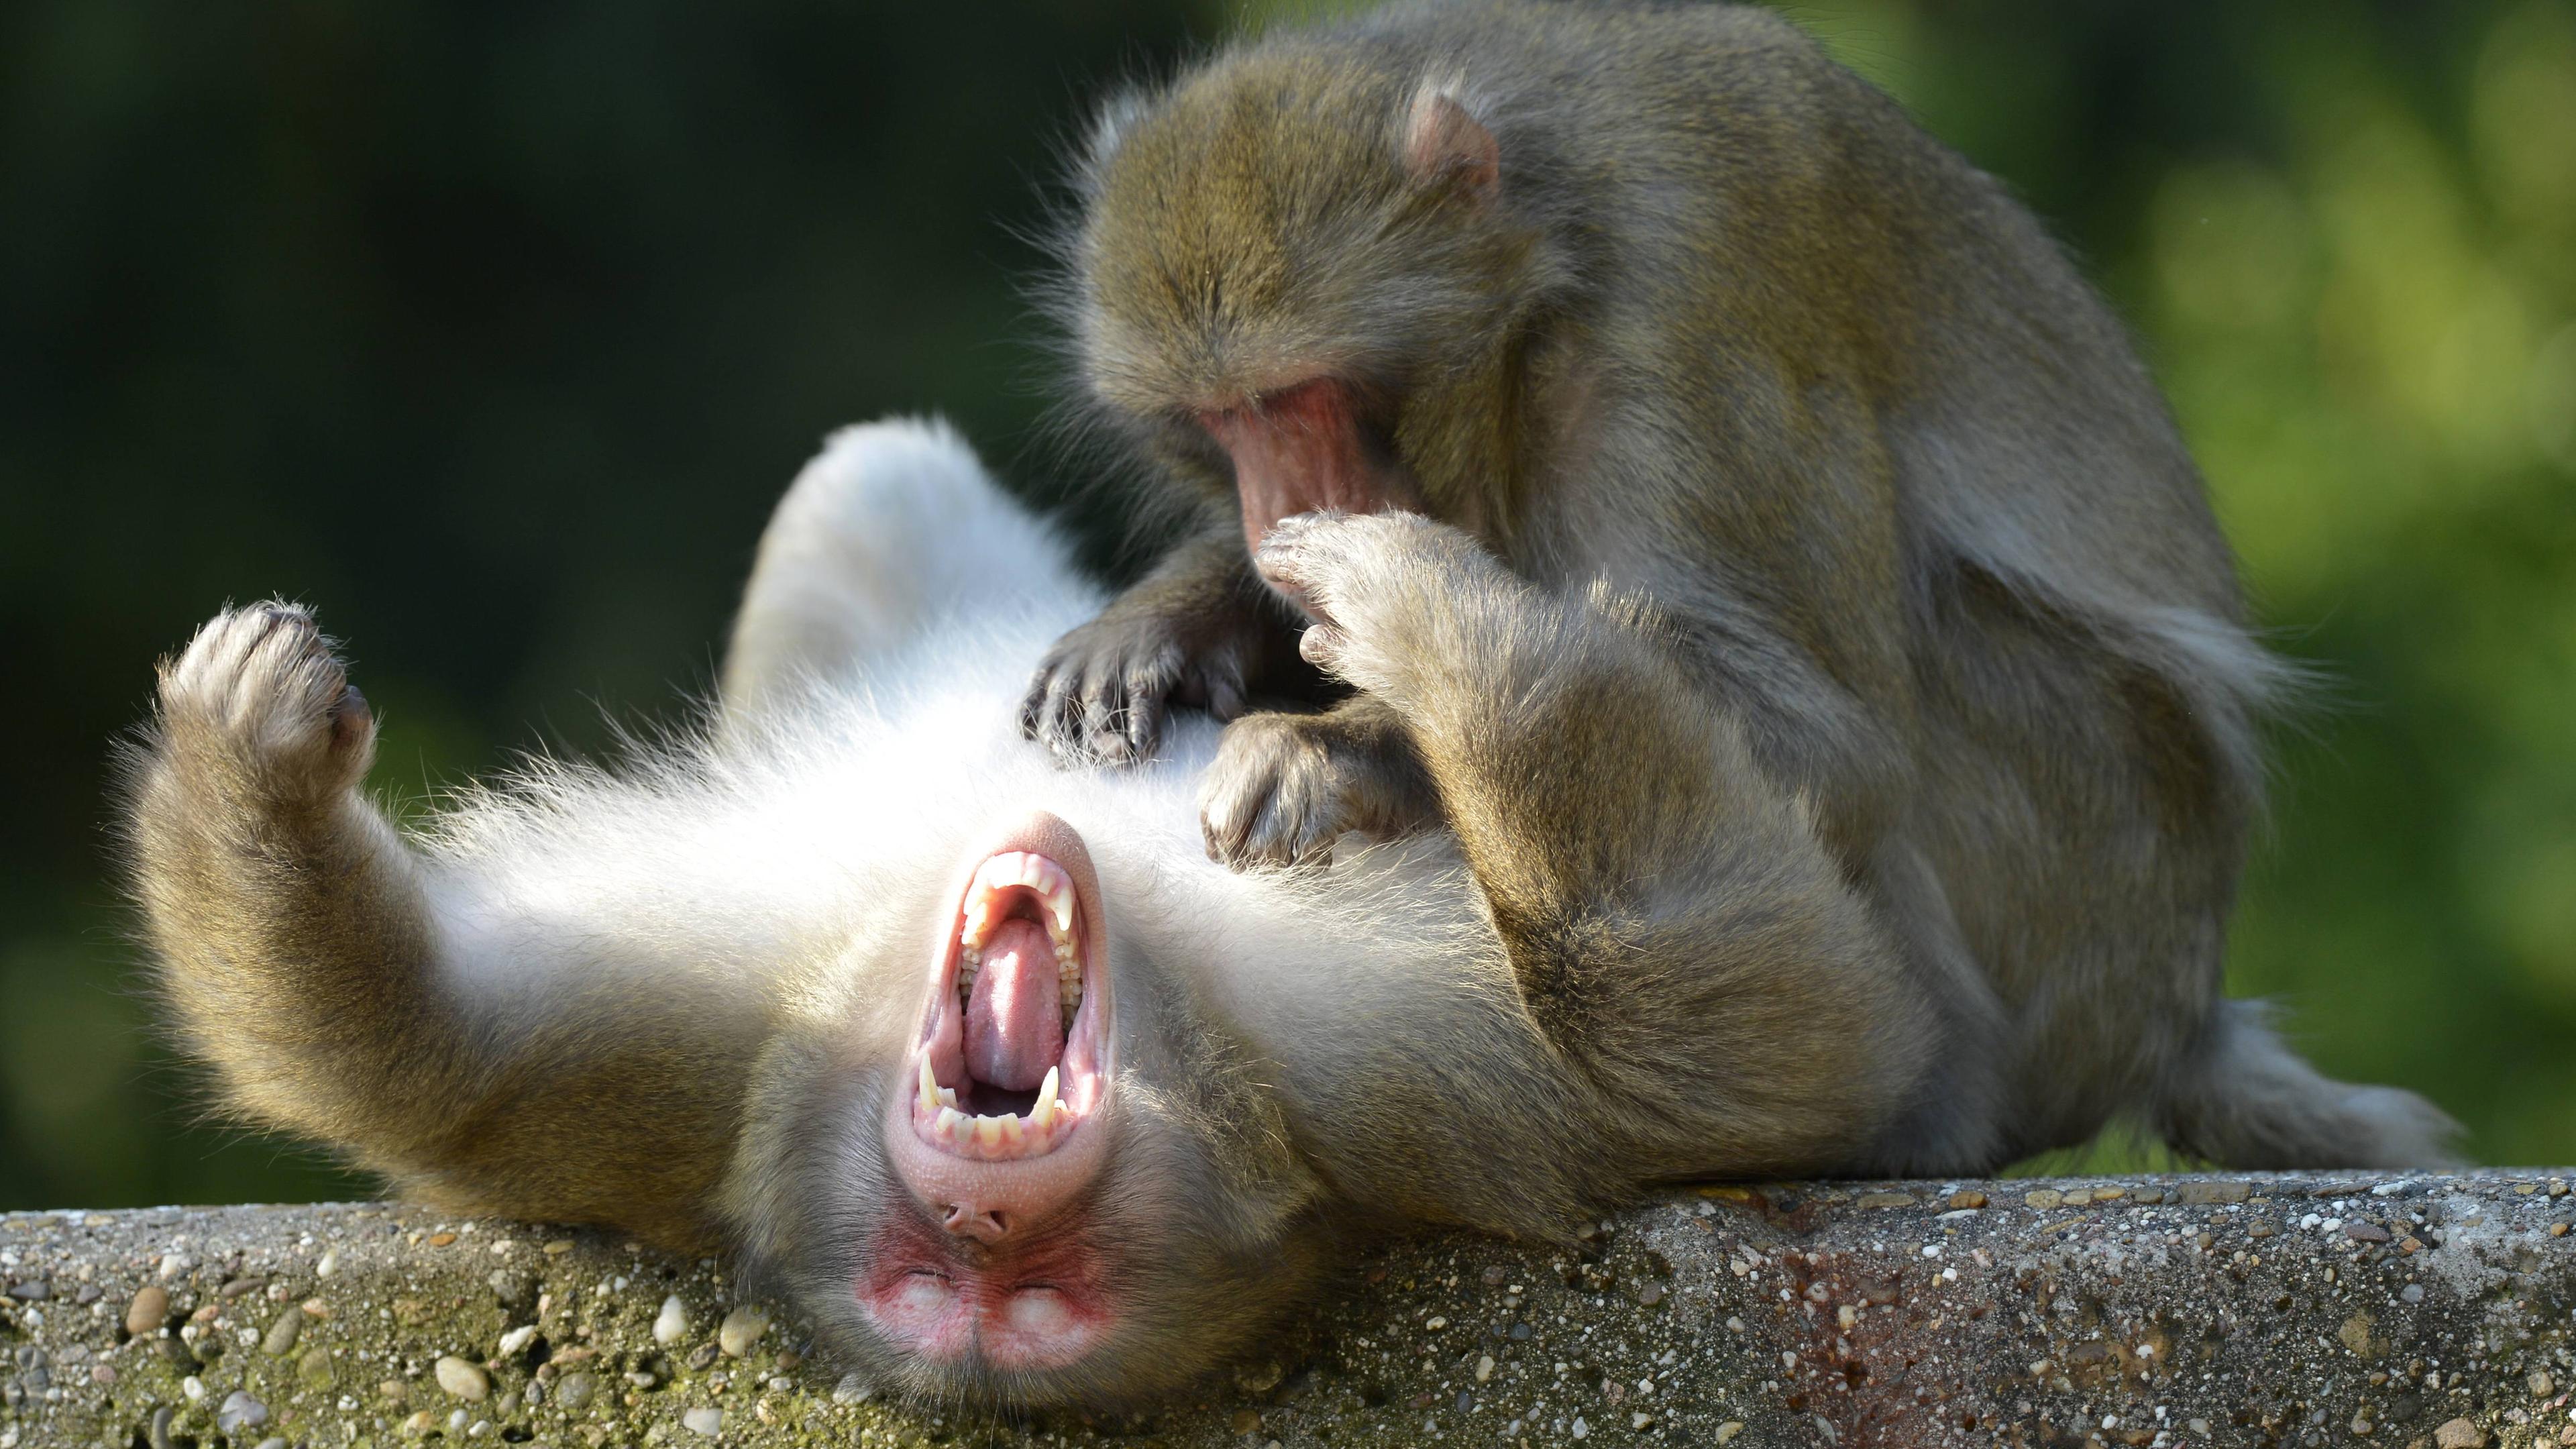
(1443, 140)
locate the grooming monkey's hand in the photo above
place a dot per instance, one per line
(1103, 691)
(258, 707)
(1284, 787)
(1389, 594)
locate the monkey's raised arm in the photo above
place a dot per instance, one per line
(1677, 926)
(349, 987)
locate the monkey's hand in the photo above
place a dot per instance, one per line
(1102, 693)
(258, 715)
(1284, 787)
(1199, 630)
(1391, 595)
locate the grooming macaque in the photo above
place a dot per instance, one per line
(1825, 471)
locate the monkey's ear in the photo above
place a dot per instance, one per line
(1443, 140)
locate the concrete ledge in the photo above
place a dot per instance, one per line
(2433, 1311)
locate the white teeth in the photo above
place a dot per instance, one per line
(1044, 1112)
(929, 1087)
(948, 1096)
(988, 1131)
(1060, 905)
(949, 1120)
(1014, 1130)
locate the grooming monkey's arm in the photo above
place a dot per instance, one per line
(1200, 629)
(305, 961)
(1672, 915)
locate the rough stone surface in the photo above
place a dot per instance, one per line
(2228, 1310)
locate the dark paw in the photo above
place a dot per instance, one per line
(1105, 691)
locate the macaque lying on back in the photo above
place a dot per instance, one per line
(1020, 1094)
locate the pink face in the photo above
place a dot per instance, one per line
(1299, 450)
(998, 1132)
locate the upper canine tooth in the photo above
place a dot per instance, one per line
(1060, 906)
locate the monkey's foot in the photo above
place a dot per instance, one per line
(259, 699)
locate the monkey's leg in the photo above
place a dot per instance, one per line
(894, 524)
(1284, 787)
(1199, 630)
(345, 987)
(1673, 918)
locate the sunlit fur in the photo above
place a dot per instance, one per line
(670, 994)
(1731, 344)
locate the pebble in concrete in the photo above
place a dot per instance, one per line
(672, 1323)
(240, 1411)
(463, 1380)
(282, 1333)
(742, 1328)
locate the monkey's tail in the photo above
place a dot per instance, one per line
(2247, 1101)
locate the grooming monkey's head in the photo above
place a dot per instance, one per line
(1296, 273)
(1010, 1186)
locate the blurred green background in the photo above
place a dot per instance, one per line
(493, 330)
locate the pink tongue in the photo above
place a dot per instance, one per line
(1014, 1019)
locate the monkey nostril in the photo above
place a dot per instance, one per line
(968, 1221)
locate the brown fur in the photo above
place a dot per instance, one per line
(1724, 333)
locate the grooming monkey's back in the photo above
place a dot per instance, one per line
(1901, 493)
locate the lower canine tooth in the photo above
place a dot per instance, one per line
(1044, 1112)
(929, 1087)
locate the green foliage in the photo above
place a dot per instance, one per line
(493, 331)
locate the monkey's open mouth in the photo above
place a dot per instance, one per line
(1009, 1065)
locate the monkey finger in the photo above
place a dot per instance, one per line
(1058, 729)
(1321, 645)
(1105, 706)
(1221, 684)
(1221, 817)
(1033, 704)
(351, 718)
(1150, 686)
